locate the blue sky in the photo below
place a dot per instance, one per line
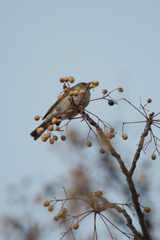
(114, 42)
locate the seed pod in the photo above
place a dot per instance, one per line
(57, 128)
(104, 91)
(70, 93)
(55, 138)
(75, 92)
(71, 79)
(95, 83)
(56, 218)
(88, 144)
(64, 210)
(65, 90)
(82, 91)
(44, 139)
(90, 195)
(149, 100)
(153, 156)
(36, 117)
(109, 135)
(113, 135)
(96, 206)
(54, 120)
(59, 97)
(50, 208)
(147, 209)
(124, 136)
(102, 150)
(51, 141)
(60, 215)
(46, 203)
(63, 137)
(75, 226)
(61, 80)
(40, 130)
(98, 193)
(111, 130)
(48, 135)
(50, 128)
(120, 89)
(66, 79)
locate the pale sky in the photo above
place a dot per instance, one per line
(114, 42)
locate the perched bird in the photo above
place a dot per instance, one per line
(66, 108)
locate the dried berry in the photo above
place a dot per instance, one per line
(149, 100)
(98, 193)
(88, 144)
(153, 156)
(54, 120)
(59, 97)
(36, 117)
(147, 209)
(63, 137)
(50, 128)
(124, 136)
(75, 92)
(46, 203)
(120, 89)
(75, 226)
(51, 141)
(56, 218)
(104, 91)
(40, 130)
(50, 208)
(71, 79)
(102, 150)
(82, 91)
(66, 79)
(61, 80)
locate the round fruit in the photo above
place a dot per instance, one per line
(104, 91)
(75, 226)
(149, 100)
(36, 117)
(102, 150)
(147, 209)
(111, 102)
(120, 89)
(153, 156)
(59, 97)
(88, 144)
(46, 203)
(40, 130)
(71, 79)
(50, 128)
(124, 136)
(98, 193)
(50, 208)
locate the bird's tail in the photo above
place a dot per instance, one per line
(36, 135)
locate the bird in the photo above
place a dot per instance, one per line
(67, 108)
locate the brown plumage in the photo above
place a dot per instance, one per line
(61, 106)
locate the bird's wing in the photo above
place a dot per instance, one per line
(54, 105)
